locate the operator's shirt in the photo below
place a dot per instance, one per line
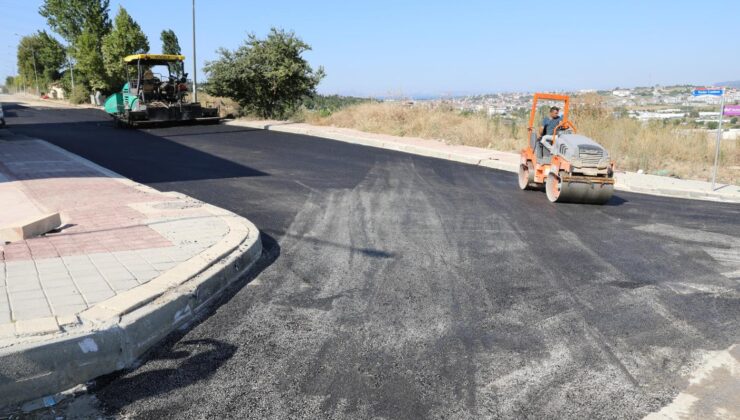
(550, 124)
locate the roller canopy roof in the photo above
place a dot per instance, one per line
(154, 58)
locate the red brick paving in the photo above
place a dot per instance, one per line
(94, 206)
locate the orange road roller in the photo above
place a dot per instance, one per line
(571, 167)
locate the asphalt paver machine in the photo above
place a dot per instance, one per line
(157, 91)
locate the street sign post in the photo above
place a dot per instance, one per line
(707, 91)
(721, 93)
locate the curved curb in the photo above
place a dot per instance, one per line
(113, 334)
(49, 365)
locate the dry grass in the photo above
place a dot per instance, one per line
(656, 147)
(227, 107)
(439, 123)
(653, 147)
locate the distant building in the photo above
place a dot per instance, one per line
(622, 93)
(492, 110)
(659, 115)
(707, 99)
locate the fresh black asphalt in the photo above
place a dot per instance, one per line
(398, 286)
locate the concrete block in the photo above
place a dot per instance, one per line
(30, 227)
(37, 326)
(58, 301)
(7, 330)
(4, 314)
(97, 296)
(145, 276)
(26, 285)
(67, 320)
(65, 311)
(31, 310)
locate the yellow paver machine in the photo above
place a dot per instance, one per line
(156, 92)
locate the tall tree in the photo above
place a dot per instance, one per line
(170, 43)
(267, 76)
(69, 18)
(83, 24)
(89, 60)
(40, 55)
(124, 39)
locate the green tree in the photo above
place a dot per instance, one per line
(124, 39)
(83, 24)
(267, 76)
(170, 43)
(40, 55)
(89, 57)
(9, 84)
(69, 18)
(712, 125)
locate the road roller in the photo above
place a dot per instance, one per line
(571, 167)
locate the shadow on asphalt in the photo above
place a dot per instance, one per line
(369, 252)
(616, 201)
(198, 360)
(146, 168)
(208, 133)
(189, 361)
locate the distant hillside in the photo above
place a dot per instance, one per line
(734, 84)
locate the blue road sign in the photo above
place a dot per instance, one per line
(703, 91)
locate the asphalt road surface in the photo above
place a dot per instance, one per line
(398, 286)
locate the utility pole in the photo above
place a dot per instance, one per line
(71, 73)
(195, 61)
(719, 138)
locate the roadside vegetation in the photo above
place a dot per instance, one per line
(658, 147)
(654, 147)
(268, 77)
(92, 52)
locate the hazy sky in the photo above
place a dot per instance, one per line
(454, 47)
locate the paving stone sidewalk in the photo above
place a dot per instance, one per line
(115, 236)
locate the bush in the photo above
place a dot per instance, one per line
(712, 125)
(81, 96)
(265, 76)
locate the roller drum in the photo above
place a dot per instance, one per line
(577, 192)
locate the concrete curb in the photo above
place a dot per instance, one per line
(621, 184)
(113, 334)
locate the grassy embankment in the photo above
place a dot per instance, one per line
(654, 147)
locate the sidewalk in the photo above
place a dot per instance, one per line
(128, 265)
(507, 161)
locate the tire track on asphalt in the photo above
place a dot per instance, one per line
(558, 281)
